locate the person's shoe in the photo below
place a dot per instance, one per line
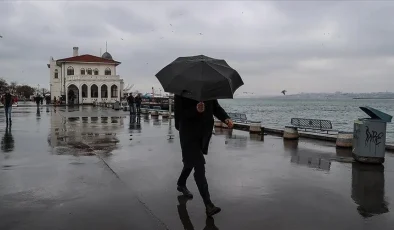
(185, 191)
(211, 209)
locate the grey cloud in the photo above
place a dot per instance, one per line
(302, 46)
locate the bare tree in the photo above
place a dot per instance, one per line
(127, 88)
(44, 91)
(3, 85)
(12, 87)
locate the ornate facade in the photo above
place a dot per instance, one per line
(85, 79)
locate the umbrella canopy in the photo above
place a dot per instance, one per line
(200, 78)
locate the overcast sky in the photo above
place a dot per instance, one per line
(299, 46)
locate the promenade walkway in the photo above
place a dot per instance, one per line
(95, 168)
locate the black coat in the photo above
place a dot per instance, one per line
(130, 100)
(195, 129)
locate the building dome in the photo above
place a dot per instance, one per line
(107, 55)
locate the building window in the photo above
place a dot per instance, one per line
(82, 71)
(84, 91)
(56, 73)
(94, 91)
(89, 71)
(70, 70)
(104, 91)
(107, 71)
(114, 91)
(96, 72)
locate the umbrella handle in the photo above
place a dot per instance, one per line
(203, 106)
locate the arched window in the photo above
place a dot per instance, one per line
(96, 72)
(104, 91)
(114, 91)
(94, 91)
(89, 71)
(70, 70)
(107, 71)
(56, 73)
(84, 91)
(82, 71)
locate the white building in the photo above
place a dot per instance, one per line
(85, 78)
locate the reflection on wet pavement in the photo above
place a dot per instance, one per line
(7, 142)
(368, 190)
(236, 141)
(85, 136)
(313, 162)
(185, 218)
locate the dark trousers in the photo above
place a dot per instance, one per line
(132, 108)
(8, 109)
(199, 177)
(138, 108)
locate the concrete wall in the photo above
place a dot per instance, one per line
(54, 83)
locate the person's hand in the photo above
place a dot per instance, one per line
(229, 123)
(201, 107)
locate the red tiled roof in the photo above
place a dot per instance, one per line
(87, 58)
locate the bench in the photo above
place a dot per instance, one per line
(239, 117)
(312, 124)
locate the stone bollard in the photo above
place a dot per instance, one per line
(218, 123)
(344, 140)
(165, 114)
(255, 127)
(154, 113)
(290, 133)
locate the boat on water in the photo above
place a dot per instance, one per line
(154, 100)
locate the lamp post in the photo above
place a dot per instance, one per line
(169, 105)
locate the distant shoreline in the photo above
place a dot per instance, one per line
(371, 98)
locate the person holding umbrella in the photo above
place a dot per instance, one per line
(198, 82)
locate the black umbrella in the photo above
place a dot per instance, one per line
(200, 78)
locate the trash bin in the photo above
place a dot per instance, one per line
(369, 136)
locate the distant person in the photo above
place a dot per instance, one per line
(38, 99)
(7, 101)
(47, 100)
(194, 121)
(130, 101)
(138, 101)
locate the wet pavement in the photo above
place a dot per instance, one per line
(95, 168)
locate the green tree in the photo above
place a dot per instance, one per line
(25, 90)
(3, 85)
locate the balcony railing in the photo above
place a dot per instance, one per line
(92, 77)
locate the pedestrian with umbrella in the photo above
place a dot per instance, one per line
(198, 82)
